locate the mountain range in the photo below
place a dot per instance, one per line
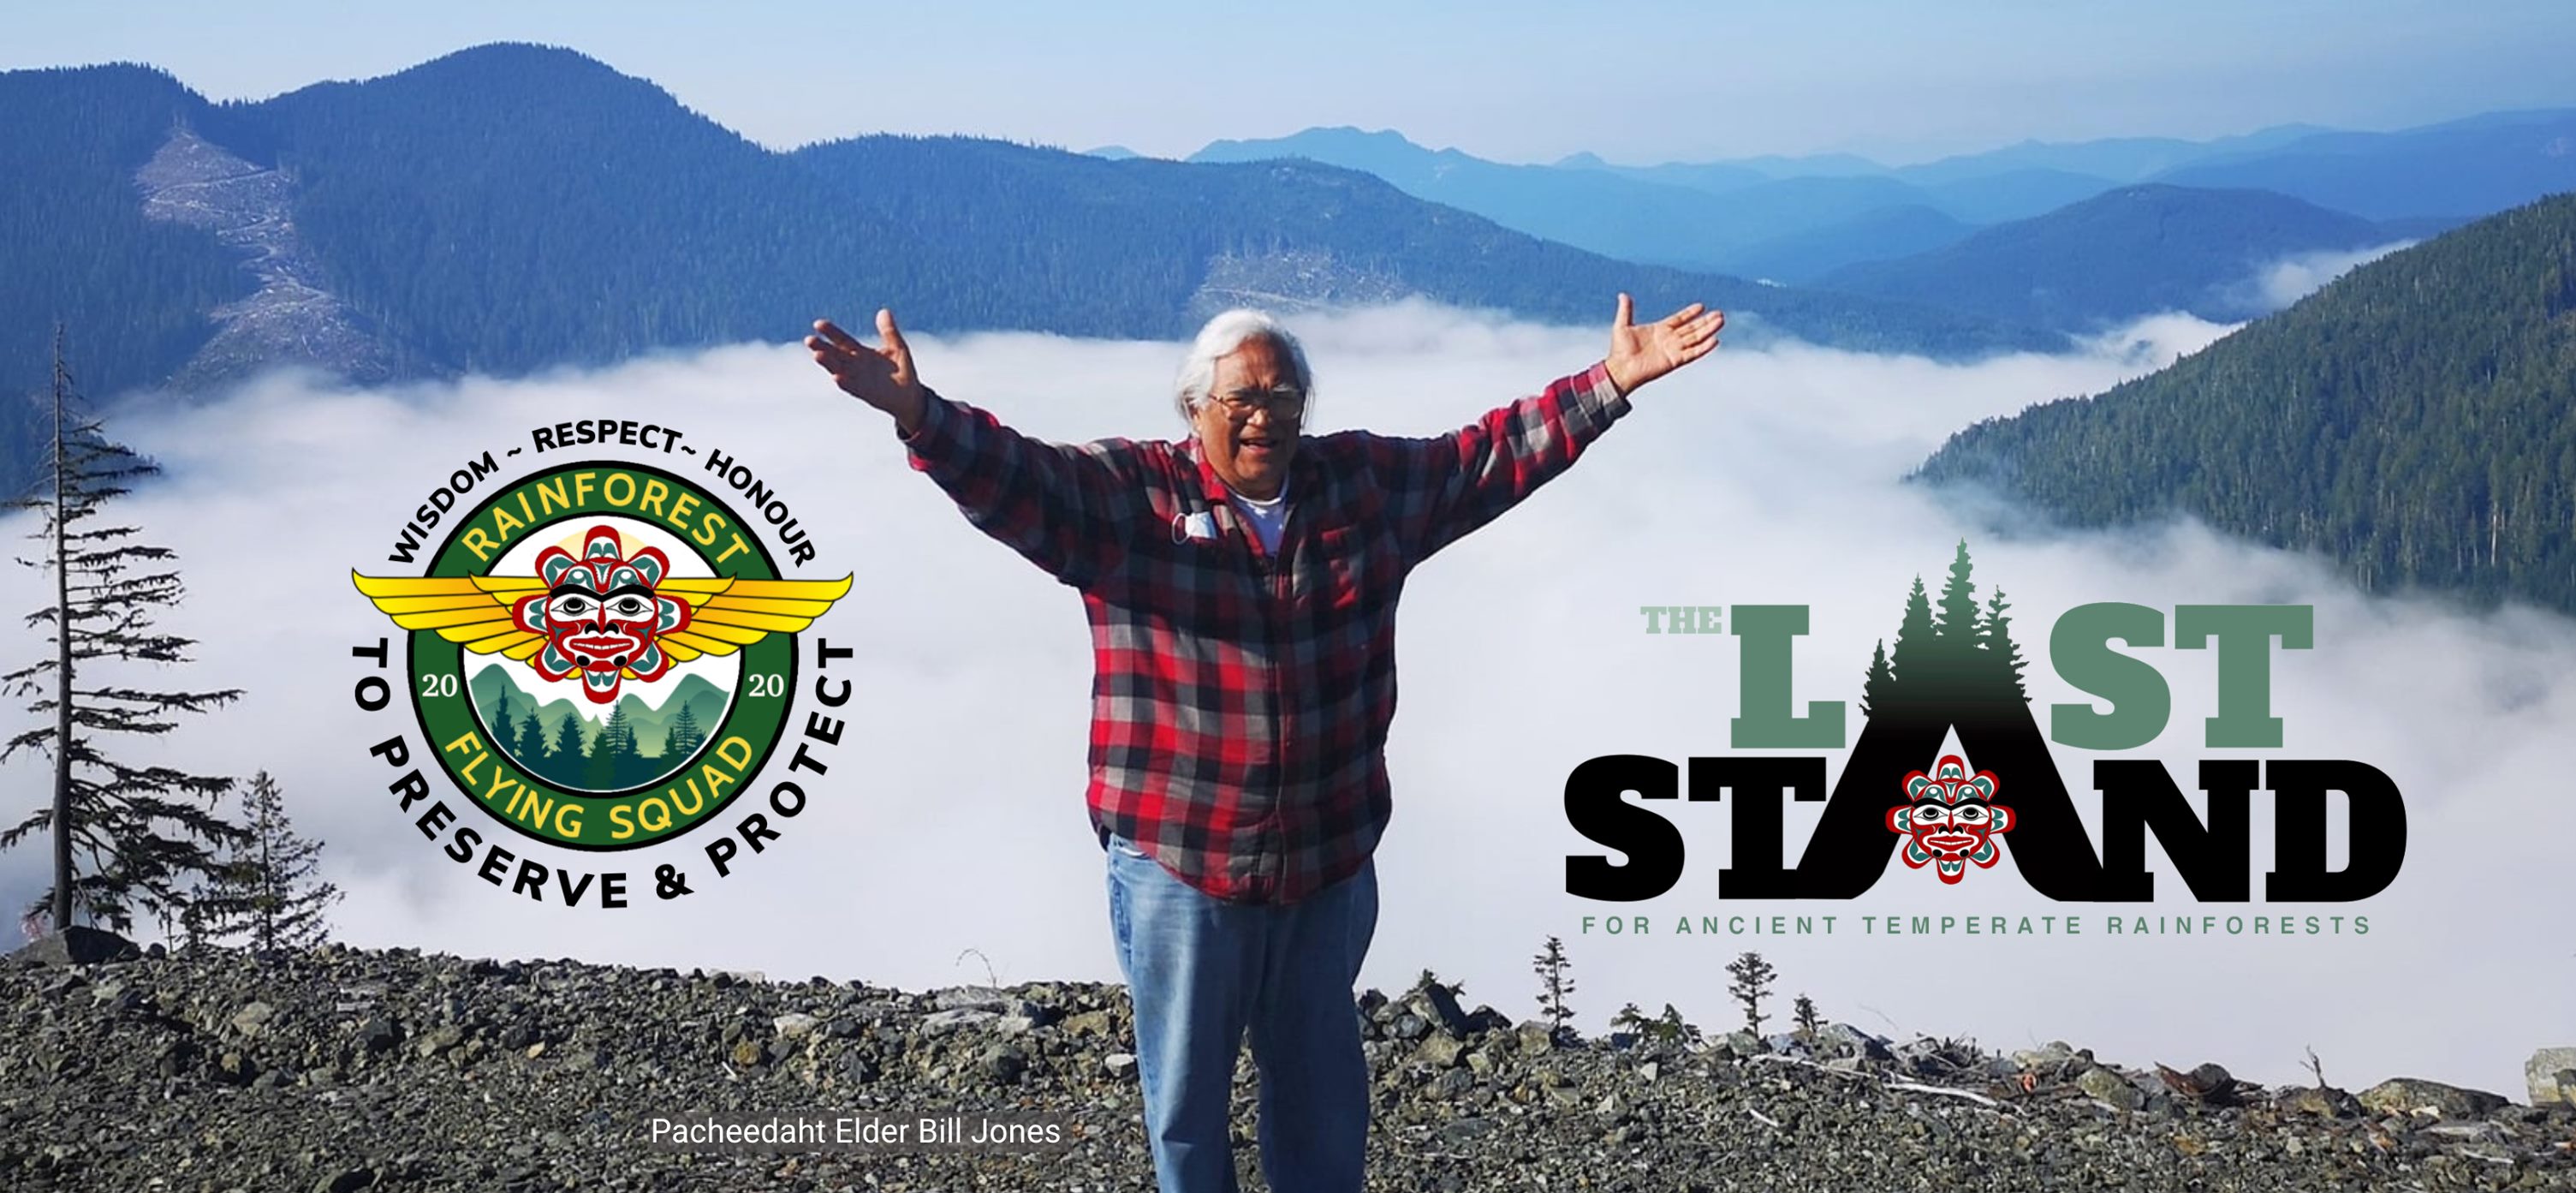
(2411, 421)
(510, 208)
(1799, 219)
(2122, 254)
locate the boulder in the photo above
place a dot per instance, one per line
(2414, 1095)
(2109, 1086)
(1846, 1038)
(1441, 1052)
(2551, 1073)
(253, 1017)
(1442, 1007)
(2323, 1101)
(78, 945)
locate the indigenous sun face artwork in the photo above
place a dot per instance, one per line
(1953, 820)
(601, 615)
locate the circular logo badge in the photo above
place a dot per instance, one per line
(602, 655)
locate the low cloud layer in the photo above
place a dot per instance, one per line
(2279, 283)
(950, 833)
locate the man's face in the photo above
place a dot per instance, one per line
(1248, 422)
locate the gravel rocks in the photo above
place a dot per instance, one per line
(340, 1069)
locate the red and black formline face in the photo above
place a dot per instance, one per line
(600, 615)
(1952, 821)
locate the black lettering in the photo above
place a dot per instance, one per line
(1756, 869)
(409, 543)
(394, 750)
(780, 802)
(2376, 844)
(1594, 808)
(531, 880)
(413, 787)
(2139, 797)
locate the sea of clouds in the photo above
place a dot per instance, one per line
(950, 833)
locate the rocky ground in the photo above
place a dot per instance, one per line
(341, 1069)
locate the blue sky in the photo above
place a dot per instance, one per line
(1504, 79)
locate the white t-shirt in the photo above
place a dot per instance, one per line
(1269, 518)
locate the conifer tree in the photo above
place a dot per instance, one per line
(1875, 687)
(127, 838)
(523, 737)
(684, 736)
(1957, 623)
(1910, 660)
(565, 753)
(607, 751)
(2004, 661)
(267, 891)
(1753, 977)
(630, 756)
(1554, 984)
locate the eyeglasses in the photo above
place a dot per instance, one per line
(1285, 402)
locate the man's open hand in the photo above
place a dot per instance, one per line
(1641, 354)
(881, 377)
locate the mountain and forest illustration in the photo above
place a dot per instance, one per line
(564, 741)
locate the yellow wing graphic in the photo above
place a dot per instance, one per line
(725, 614)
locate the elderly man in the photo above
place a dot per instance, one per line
(1241, 585)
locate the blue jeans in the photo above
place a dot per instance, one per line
(1201, 972)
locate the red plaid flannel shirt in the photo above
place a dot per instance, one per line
(1240, 705)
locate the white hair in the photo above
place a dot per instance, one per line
(1219, 339)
